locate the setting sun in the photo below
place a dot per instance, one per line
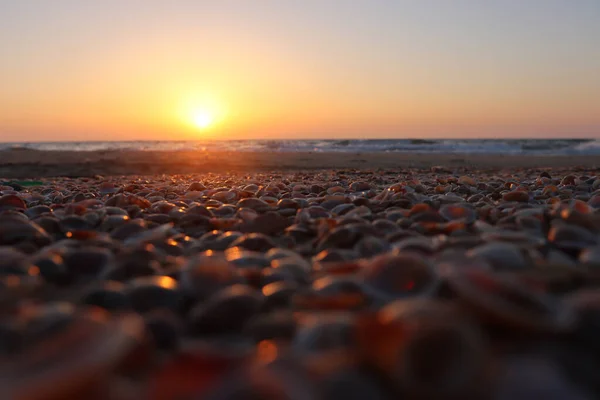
(203, 119)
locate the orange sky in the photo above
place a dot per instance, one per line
(129, 70)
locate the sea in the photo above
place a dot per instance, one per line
(446, 146)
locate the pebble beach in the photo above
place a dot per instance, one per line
(194, 275)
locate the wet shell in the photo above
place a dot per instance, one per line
(12, 201)
(392, 276)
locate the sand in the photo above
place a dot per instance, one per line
(25, 163)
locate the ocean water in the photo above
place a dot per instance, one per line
(454, 146)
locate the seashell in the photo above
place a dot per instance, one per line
(569, 180)
(153, 292)
(502, 301)
(51, 268)
(287, 204)
(149, 235)
(14, 231)
(108, 187)
(343, 209)
(243, 258)
(123, 200)
(74, 361)
(199, 210)
(204, 275)
(111, 222)
(325, 334)
(425, 349)
(12, 201)
(335, 189)
(270, 223)
(214, 240)
(36, 211)
(87, 263)
(360, 186)
(196, 187)
(397, 275)
(467, 180)
(13, 262)
(297, 267)
(225, 196)
(254, 242)
(133, 263)
(500, 255)
(450, 198)
(278, 295)
(354, 283)
(333, 255)
(109, 295)
(176, 213)
(571, 238)
(227, 311)
(415, 244)
(253, 204)
(311, 213)
(517, 195)
(370, 246)
(586, 220)
(384, 225)
(133, 228)
(299, 232)
(361, 212)
(223, 211)
(278, 253)
(333, 293)
(343, 237)
(454, 212)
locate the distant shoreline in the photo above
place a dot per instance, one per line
(571, 146)
(27, 163)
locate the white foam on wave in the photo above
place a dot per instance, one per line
(590, 148)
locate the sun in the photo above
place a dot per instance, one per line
(203, 119)
(200, 115)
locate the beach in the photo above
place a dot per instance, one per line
(189, 274)
(299, 200)
(28, 163)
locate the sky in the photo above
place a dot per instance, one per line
(254, 69)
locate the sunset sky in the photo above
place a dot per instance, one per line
(225, 69)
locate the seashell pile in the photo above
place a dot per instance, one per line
(312, 285)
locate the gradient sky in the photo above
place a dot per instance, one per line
(145, 69)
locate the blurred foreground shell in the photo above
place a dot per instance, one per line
(73, 362)
(425, 348)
